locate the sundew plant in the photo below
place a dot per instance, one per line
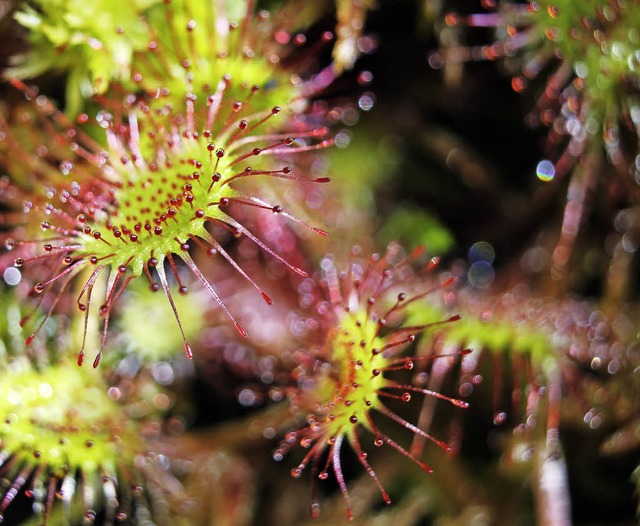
(285, 262)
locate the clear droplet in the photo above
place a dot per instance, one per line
(499, 418)
(545, 170)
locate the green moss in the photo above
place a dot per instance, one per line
(415, 227)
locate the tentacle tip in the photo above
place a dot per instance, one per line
(96, 361)
(320, 231)
(18, 84)
(266, 298)
(80, 358)
(242, 332)
(188, 351)
(300, 272)
(29, 339)
(448, 282)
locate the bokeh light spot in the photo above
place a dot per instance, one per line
(545, 171)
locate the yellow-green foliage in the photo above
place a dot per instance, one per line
(62, 419)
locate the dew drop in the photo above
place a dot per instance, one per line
(114, 393)
(247, 398)
(545, 170)
(365, 77)
(366, 101)
(518, 84)
(482, 251)
(188, 351)
(323, 476)
(481, 274)
(499, 418)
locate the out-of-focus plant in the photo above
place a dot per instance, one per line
(544, 365)
(69, 435)
(588, 55)
(148, 45)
